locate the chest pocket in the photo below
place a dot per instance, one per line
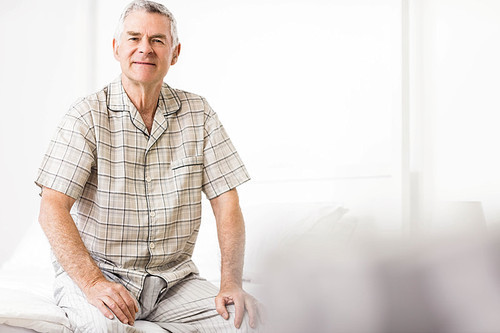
(188, 176)
(187, 162)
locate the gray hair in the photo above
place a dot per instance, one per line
(149, 7)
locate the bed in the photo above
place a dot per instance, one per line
(26, 303)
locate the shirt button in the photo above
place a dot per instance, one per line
(152, 214)
(148, 179)
(151, 245)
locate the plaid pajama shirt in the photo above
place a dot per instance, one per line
(138, 195)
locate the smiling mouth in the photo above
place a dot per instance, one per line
(144, 63)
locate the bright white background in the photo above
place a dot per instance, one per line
(384, 105)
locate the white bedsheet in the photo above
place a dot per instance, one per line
(27, 302)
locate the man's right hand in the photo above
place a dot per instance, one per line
(112, 299)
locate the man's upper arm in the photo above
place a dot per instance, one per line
(223, 169)
(226, 201)
(68, 161)
(54, 199)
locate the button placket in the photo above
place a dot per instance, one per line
(151, 213)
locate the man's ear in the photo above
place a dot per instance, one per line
(115, 49)
(175, 55)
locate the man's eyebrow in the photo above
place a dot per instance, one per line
(159, 36)
(133, 33)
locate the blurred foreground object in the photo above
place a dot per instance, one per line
(447, 283)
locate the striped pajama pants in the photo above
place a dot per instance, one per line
(189, 306)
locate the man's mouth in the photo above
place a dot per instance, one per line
(144, 63)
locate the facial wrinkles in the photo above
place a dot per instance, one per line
(145, 58)
(148, 48)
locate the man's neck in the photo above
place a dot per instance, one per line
(144, 97)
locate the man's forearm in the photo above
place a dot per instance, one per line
(232, 245)
(66, 242)
(231, 233)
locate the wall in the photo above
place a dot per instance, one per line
(311, 93)
(455, 109)
(44, 64)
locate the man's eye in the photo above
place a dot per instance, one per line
(157, 41)
(133, 38)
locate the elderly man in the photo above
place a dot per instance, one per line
(132, 161)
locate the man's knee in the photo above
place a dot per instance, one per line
(84, 321)
(245, 324)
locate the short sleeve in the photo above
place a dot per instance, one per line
(223, 169)
(67, 164)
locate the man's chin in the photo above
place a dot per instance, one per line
(144, 79)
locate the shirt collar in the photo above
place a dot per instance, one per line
(117, 99)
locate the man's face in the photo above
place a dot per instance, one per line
(145, 50)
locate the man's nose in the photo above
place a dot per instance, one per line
(145, 47)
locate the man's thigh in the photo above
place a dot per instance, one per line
(189, 306)
(83, 316)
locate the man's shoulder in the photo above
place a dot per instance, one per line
(85, 108)
(192, 102)
(186, 95)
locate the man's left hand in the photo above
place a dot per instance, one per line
(241, 300)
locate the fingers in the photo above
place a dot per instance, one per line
(130, 304)
(104, 309)
(261, 312)
(239, 306)
(239, 310)
(253, 311)
(220, 306)
(241, 301)
(120, 311)
(113, 299)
